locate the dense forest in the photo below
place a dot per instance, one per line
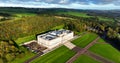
(27, 26)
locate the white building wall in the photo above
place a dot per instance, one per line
(55, 42)
(43, 42)
(68, 37)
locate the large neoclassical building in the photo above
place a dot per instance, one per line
(55, 38)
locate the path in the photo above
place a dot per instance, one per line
(98, 57)
(81, 51)
(69, 45)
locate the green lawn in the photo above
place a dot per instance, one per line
(85, 59)
(107, 51)
(85, 39)
(25, 39)
(101, 40)
(60, 55)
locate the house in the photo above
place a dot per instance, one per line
(55, 38)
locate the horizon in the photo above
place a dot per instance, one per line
(69, 4)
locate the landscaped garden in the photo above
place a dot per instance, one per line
(85, 39)
(60, 55)
(106, 50)
(85, 59)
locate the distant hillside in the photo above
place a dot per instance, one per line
(105, 13)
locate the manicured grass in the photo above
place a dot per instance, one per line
(107, 51)
(60, 55)
(85, 59)
(25, 39)
(100, 40)
(79, 14)
(85, 39)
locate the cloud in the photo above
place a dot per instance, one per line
(84, 2)
(77, 4)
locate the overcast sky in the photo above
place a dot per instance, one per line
(76, 4)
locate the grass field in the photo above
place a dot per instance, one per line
(85, 59)
(107, 51)
(60, 55)
(79, 14)
(101, 40)
(85, 39)
(106, 19)
(25, 39)
(19, 15)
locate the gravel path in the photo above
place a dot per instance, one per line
(98, 57)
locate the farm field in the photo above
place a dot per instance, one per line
(85, 59)
(78, 14)
(106, 50)
(60, 55)
(25, 14)
(106, 19)
(81, 14)
(85, 39)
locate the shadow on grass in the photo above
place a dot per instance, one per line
(115, 43)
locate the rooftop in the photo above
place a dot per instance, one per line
(54, 34)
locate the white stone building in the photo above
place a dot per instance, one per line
(55, 38)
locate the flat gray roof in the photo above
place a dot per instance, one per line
(54, 34)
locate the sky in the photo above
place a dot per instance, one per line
(74, 4)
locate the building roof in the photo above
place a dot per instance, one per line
(54, 34)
